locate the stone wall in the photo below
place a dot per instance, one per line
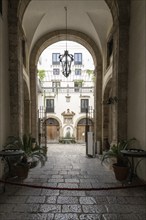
(4, 77)
(137, 79)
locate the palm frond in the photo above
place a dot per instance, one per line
(115, 150)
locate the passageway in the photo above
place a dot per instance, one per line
(68, 167)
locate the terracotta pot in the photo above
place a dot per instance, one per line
(21, 171)
(121, 173)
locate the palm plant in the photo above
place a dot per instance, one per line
(34, 154)
(115, 151)
(121, 168)
(20, 165)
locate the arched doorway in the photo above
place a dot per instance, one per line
(52, 130)
(80, 38)
(81, 128)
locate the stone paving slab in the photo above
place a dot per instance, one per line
(67, 200)
(69, 167)
(90, 217)
(68, 216)
(51, 199)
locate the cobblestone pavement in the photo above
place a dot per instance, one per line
(67, 166)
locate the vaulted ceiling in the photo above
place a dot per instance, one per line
(91, 17)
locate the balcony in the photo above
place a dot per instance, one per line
(69, 90)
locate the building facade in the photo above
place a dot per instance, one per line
(66, 105)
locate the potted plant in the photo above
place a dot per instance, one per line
(121, 167)
(32, 156)
(18, 165)
(20, 168)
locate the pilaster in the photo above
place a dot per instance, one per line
(15, 72)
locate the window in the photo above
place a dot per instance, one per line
(77, 85)
(55, 86)
(77, 72)
(56, 71)
(49, 105)
(55, 58)
(84, 105)
(78, 58)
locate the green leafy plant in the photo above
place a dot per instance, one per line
(33, 153)
(41, 74)
(79, 82)
(122, 166)
(91, 73)
(115, 151)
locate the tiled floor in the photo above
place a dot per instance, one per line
(68, 167)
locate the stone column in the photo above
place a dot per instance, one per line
(98, 105)
(105, 121)
(34, 102)
(121, 13)
(15, 72)
(122, 81)
(27, 129)
(120, 77)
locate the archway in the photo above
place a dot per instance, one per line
(51, 38)
(120, 13)
(81, 129)
(52, 130)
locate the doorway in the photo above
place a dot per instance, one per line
(52, 130)
(81, 129)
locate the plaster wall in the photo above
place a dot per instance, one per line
(74, 105)
(4, 79)
(137, 78)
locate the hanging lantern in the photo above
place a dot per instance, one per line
(66, 59)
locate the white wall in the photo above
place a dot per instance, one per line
(137, 78)
(4, 80)
(74, 105)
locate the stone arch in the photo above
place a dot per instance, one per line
(79, 119)
(120, 13)
(64, 128)
(60, 35)
(54, 117)
(49, 39)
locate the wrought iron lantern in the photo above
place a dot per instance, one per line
(66, 59)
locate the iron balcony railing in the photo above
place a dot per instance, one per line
(68, 90)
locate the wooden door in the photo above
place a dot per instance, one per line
(81, 133)
(52, 133)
